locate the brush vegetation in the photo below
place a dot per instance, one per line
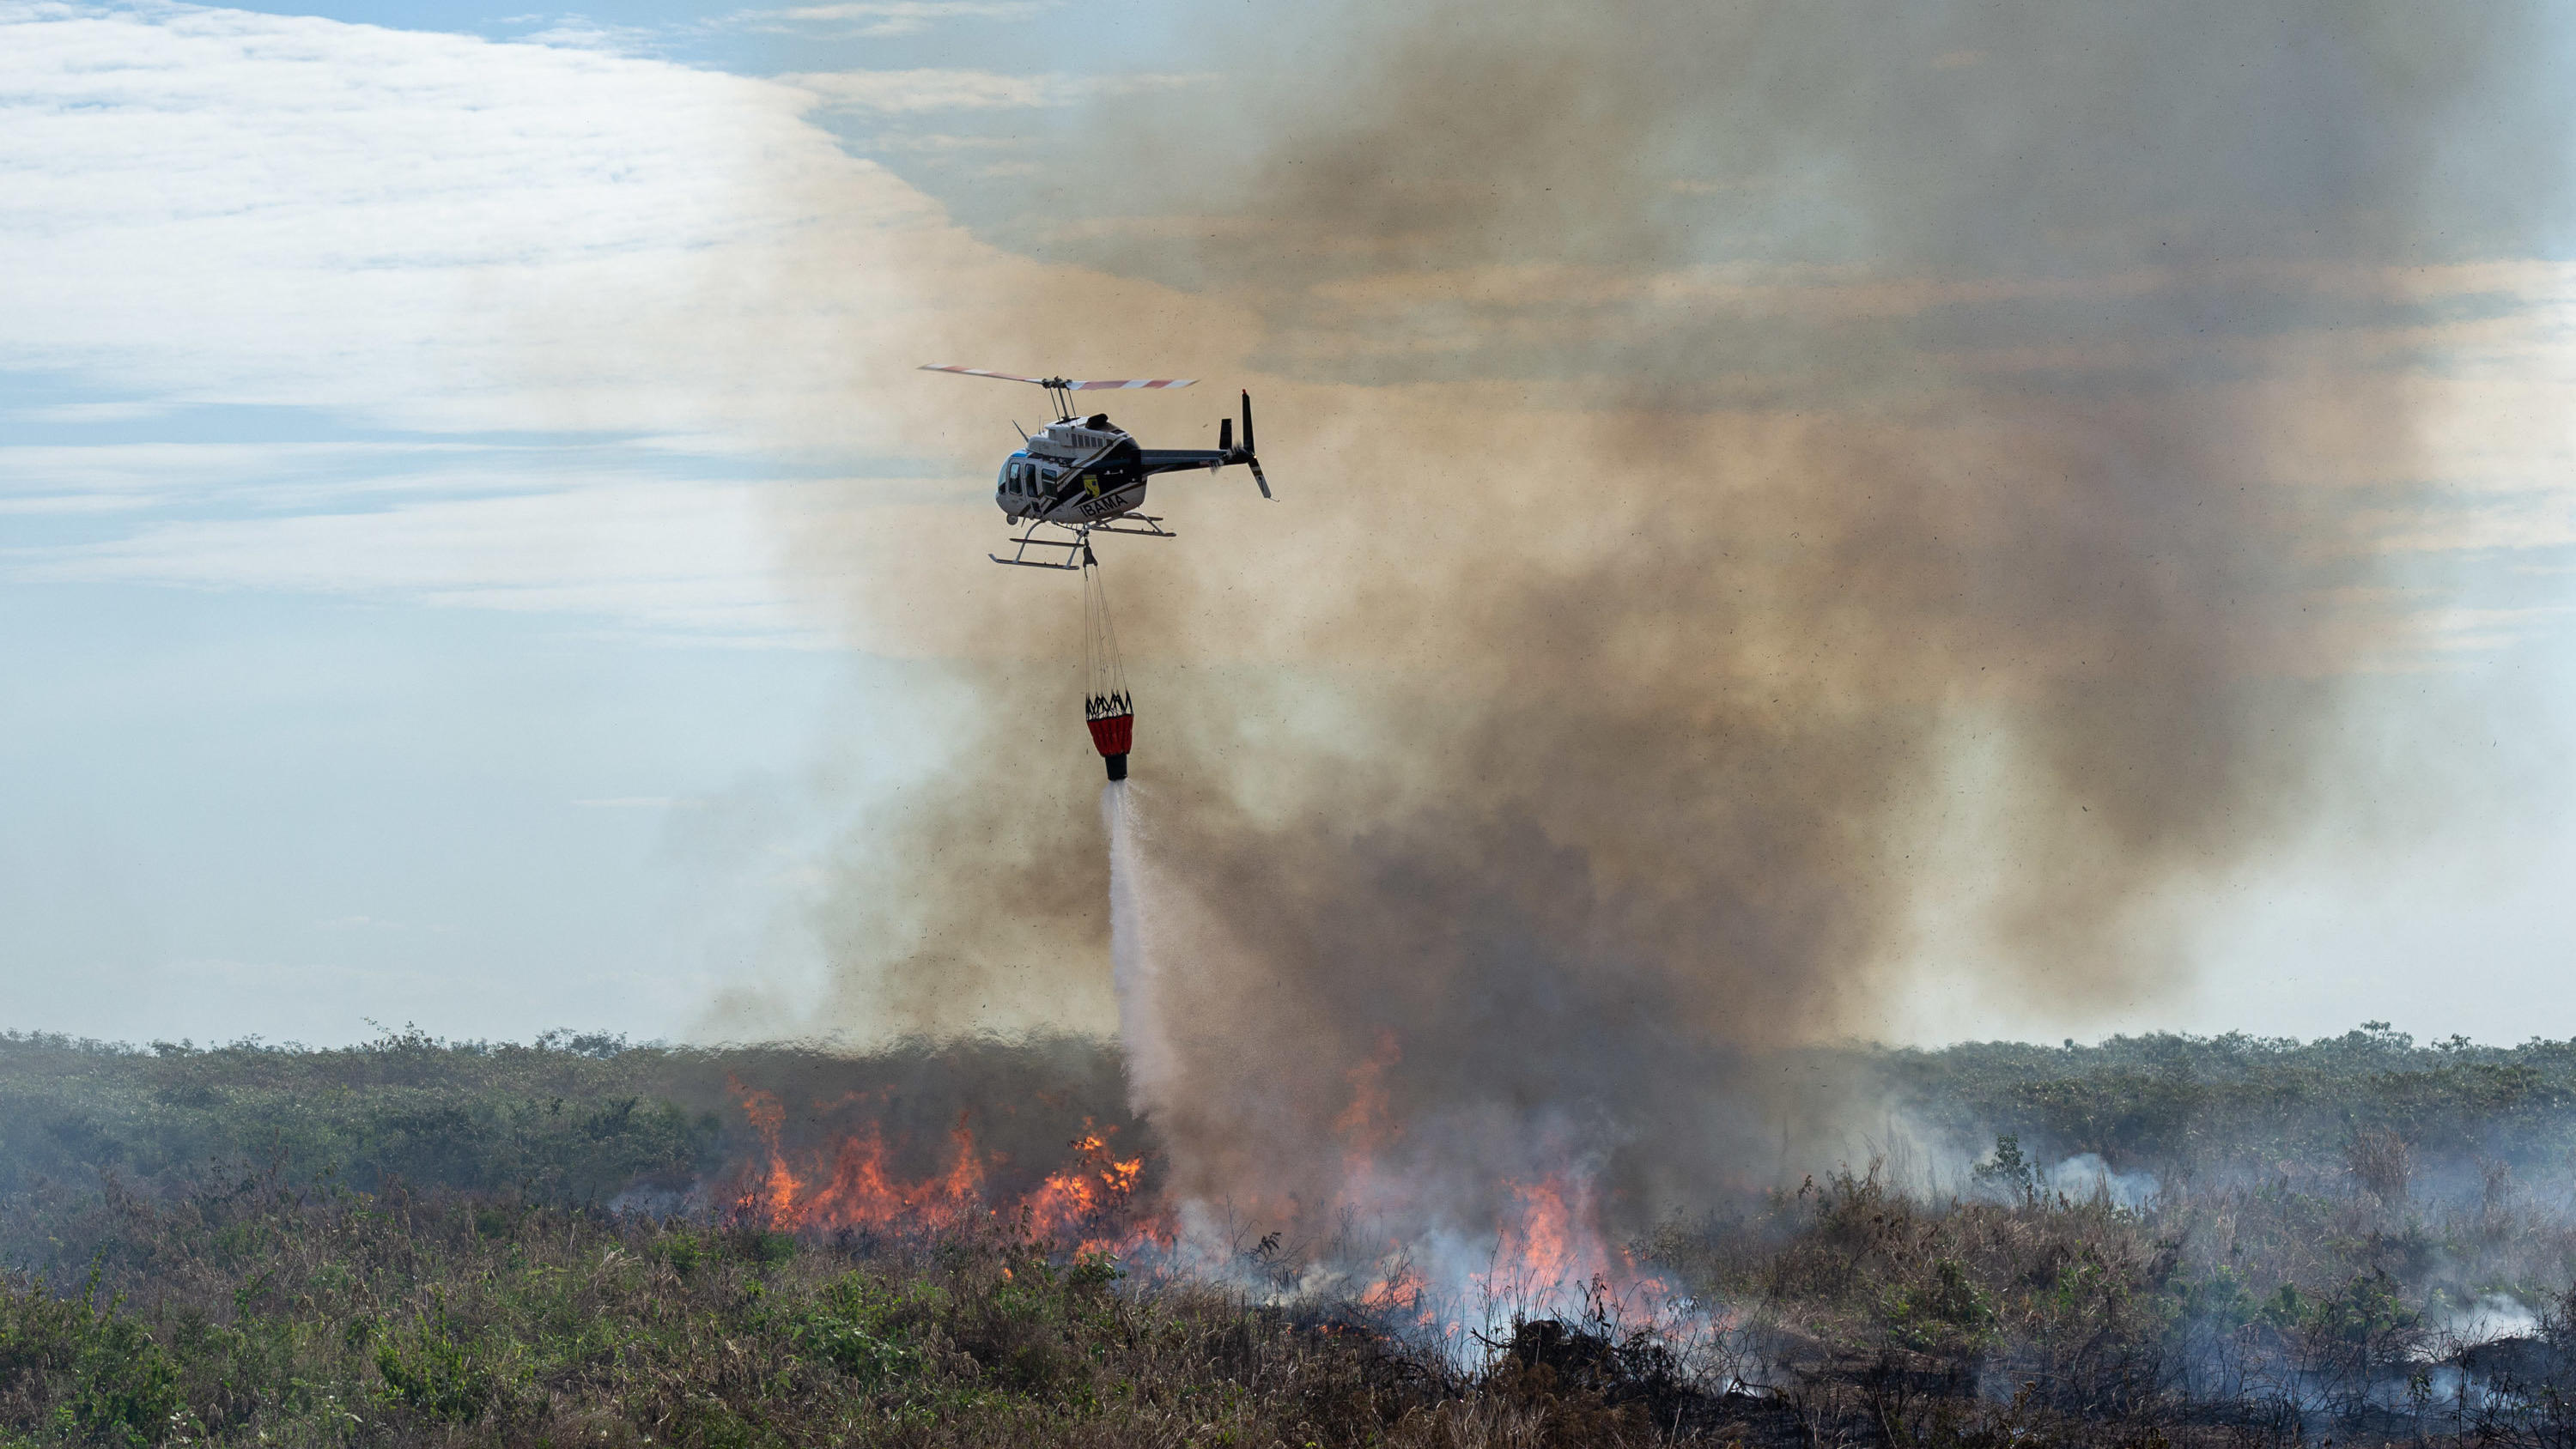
(2158, 1241)
(253, 1312)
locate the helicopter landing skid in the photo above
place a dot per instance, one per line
(1153, 527)
(1074, 547)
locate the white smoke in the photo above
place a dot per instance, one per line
(2085, 1177)
(2494, 1316)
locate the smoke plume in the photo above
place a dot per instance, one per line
(1763, 485)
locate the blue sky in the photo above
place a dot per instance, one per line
(410, 461)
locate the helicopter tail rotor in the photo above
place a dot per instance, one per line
(1245, 456)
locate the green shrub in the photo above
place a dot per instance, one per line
(430, 1371)
(125, 1386)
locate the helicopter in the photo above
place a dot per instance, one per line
(1084, 475)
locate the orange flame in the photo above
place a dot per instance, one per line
(1083, 1202)
(1548, 1250)
(1399, 1289)
(860, 1194)
(1554, 1243)
(1072, 1202)
(1368, 1124)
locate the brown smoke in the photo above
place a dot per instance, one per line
(1753, 474)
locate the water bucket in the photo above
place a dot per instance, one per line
(1112, 735)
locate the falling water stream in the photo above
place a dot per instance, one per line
(1135, 971)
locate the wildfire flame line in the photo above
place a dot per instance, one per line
(849, 1185)
(1548, 1254)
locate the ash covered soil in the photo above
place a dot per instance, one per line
(2155, 1240)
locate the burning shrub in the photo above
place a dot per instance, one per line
(851, 1184)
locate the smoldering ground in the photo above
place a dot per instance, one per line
(1756, 477)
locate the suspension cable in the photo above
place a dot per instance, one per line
(1104, 673)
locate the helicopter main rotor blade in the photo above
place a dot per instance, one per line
(1068, 384)
(981, 372)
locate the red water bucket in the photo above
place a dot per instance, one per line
(1112, 734)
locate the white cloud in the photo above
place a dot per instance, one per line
(95, 412)
(929, 89)
(122, 476)
(426, 230)
(582, 33)
(912, 92)
(877, 18)
(634, 268)
(688, 558)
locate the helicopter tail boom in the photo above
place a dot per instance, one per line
(1167, 460)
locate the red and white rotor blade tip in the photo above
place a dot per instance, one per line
(1132, 382)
